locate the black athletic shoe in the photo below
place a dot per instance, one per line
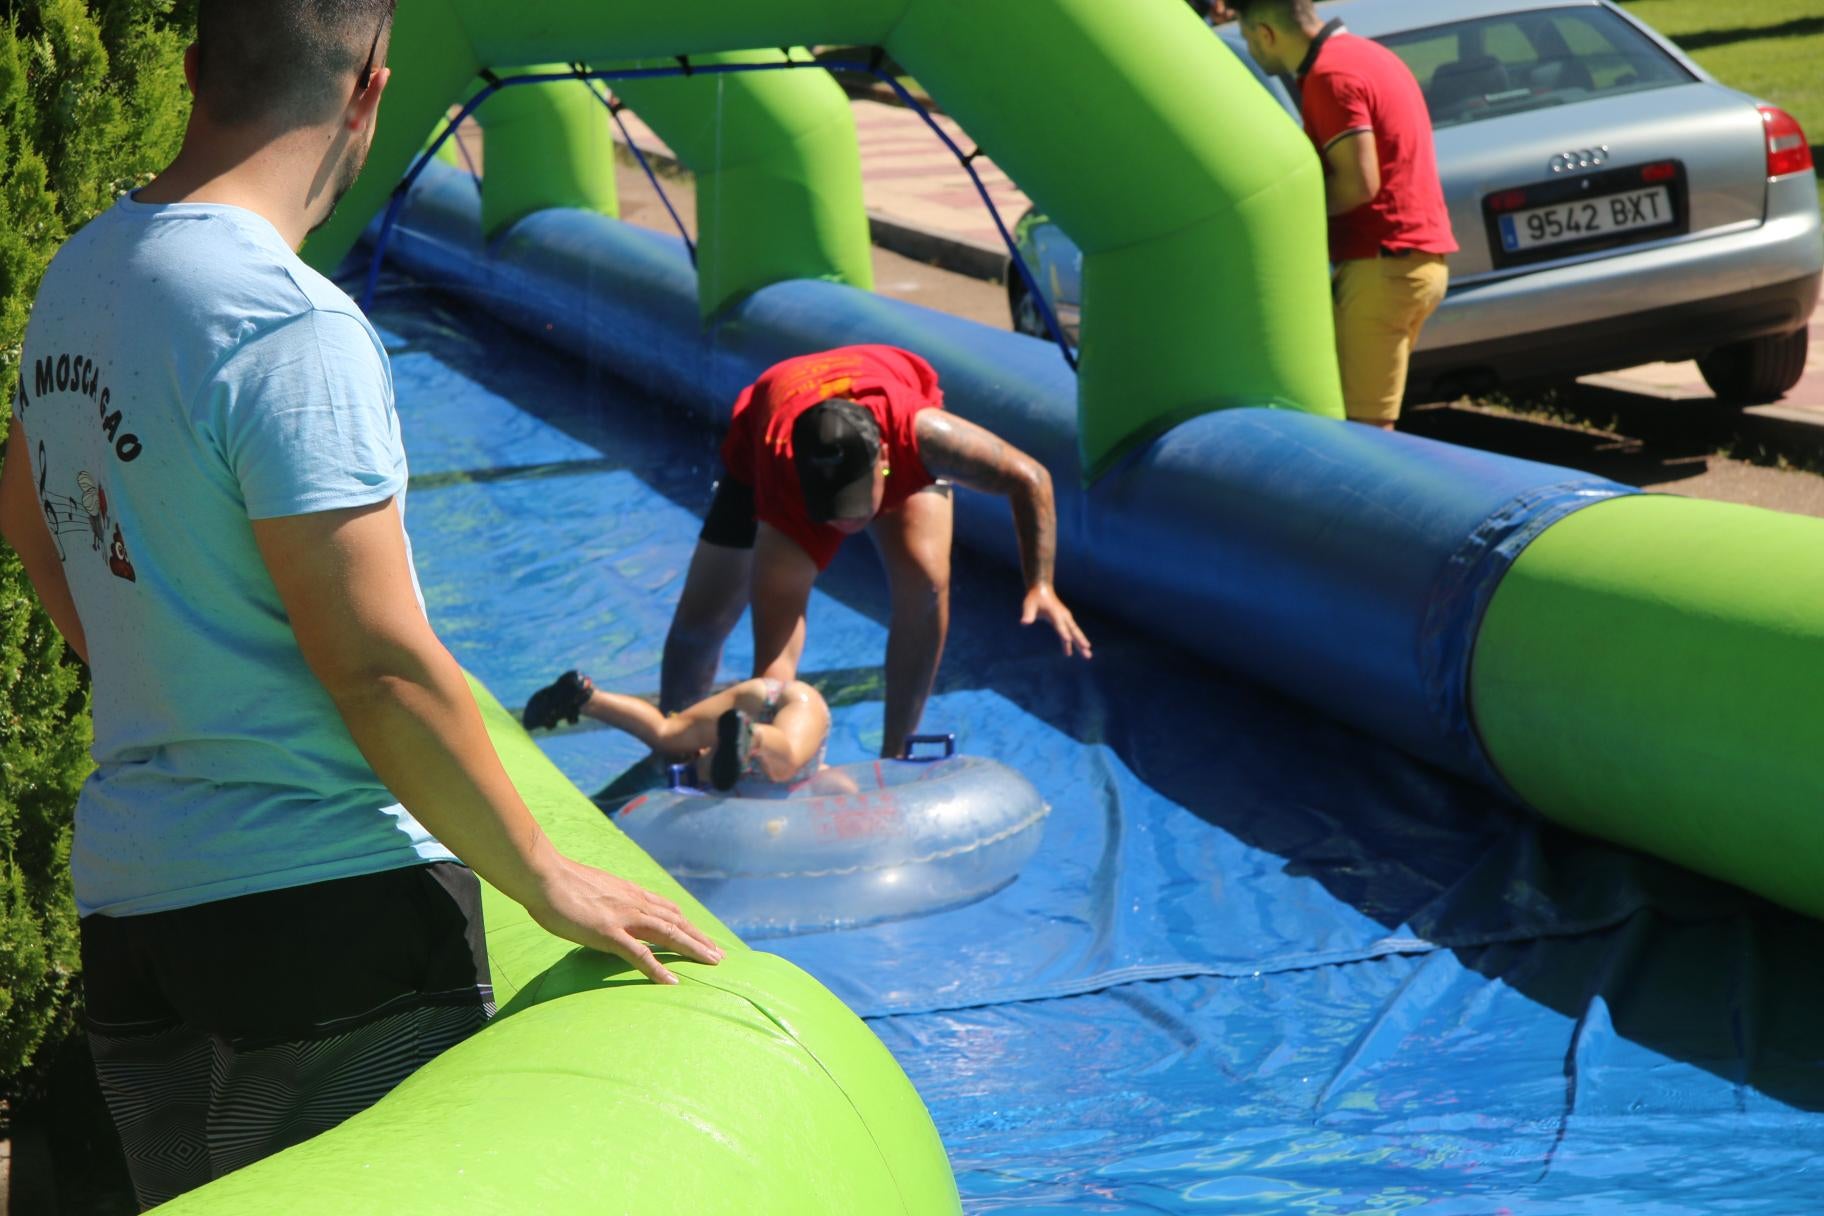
(734, 744)
(563, 698)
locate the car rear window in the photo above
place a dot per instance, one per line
(1515, 62)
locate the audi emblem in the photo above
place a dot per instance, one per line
(1581, 158)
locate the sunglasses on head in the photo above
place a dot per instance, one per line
(367, 69)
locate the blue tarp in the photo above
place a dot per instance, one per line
(1260, 963)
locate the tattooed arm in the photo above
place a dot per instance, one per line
(957, 450)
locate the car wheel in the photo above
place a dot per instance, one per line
(1758, 370)
(1026, 318)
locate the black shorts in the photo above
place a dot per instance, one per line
(226, 1031)
(731, 522)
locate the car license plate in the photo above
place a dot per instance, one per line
(1586, 218)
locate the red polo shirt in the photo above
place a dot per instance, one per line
(892, 384)
(1351, 84)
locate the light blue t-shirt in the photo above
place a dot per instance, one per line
(184, 373)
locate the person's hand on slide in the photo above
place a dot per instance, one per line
(1042, 601)
(596, 909)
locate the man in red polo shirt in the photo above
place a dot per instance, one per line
(1389, 229)
(822, 447)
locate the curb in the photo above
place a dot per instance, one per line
(953, 253)
(942, 250)
(876, 91)
(1793, 431)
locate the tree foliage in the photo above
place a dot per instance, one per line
(92, 103)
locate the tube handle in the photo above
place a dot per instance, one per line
(948, 741)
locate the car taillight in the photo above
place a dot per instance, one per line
(1787, 151)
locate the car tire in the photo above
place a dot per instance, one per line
(1758, 370)
(1025, 313)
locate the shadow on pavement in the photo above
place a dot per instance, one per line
(1704, 40)
(1641, 439)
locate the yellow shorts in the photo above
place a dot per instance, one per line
(1381, 304)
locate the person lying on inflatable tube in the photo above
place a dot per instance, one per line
(819, 448)
(773, 730)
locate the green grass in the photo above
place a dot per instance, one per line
(1770, 48)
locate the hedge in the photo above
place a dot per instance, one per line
(92, 103)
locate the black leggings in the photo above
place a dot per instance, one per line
(227, 1031)
(731, 522)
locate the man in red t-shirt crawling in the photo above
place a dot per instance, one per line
(824, 446)
(1389, 227)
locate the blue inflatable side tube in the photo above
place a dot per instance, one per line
(1343, 565)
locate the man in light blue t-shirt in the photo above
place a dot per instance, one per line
(205, 480)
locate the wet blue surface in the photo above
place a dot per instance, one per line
(1259, 964)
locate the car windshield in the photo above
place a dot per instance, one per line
(1509, 64)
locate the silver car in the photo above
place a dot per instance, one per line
(1614, 204)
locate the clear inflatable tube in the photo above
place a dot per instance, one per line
(855, 844)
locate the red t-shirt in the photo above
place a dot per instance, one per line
(892, 384)
(1356, 84)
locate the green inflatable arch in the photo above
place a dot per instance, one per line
(1204, 268)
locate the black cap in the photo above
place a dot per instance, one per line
(834, 445)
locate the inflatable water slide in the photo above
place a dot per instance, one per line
(1507, 621)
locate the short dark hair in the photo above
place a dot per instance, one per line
(1288, 12)
(285, 62)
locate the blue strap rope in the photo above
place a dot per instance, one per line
(491, 83)
(614, 111)
(468, 162)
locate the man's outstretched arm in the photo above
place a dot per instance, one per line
(345, 580)
(960, 451)
(914, 543)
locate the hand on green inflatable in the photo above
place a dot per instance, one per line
(596, 909)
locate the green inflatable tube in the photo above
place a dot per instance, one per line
(1649, 670)
(544, 145)
(1205, 277)
(747, 1088)
(777, 171)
